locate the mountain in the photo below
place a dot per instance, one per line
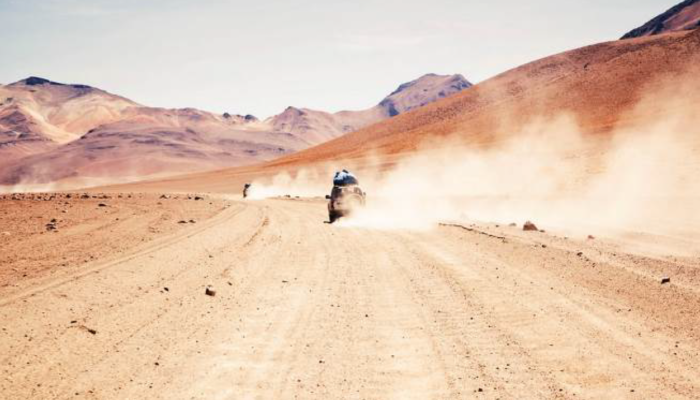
(318, 126)
(37, 115)
(600, 87)
(682, 16)
(51, 131)
(597, 85)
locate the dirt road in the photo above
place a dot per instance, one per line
(305, 309)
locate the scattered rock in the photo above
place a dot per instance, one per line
(529, 226)
(512, 224)
(665, 279)
(198, 198)
(89, 330)
(192, 221)
(580, 253)
(209, 291)
(182, 221)
(591, 237)
(102, 205)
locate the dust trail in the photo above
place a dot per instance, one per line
(640, 177)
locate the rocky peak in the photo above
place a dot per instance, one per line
(682, 16)
(424, 90)
(37, 81)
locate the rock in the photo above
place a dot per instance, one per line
(209, 291)
(512, 224)
(665, 279)
(182, 221)
(102, 205)
(580, 253)
(192, 221)
(198, 198)
(529, 226)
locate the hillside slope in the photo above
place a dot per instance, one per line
(56, 132)
(597, 86)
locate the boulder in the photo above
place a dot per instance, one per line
(529, 226)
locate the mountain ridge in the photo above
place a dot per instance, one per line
(45, 124)
(682, 16)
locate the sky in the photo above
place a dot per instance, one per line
(258, 57)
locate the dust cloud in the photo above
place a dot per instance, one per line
(641, 177)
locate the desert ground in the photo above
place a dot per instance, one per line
(122, 278)
(111, 302)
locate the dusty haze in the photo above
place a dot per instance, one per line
(641, 177)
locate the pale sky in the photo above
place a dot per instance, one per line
(260, 56)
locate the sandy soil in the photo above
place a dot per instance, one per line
(305, 309)
(46, 233)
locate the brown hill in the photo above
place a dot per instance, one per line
(38, 115)
(599, 87)
(682, 16)
(55, 132)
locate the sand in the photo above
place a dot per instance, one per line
(306, 309)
